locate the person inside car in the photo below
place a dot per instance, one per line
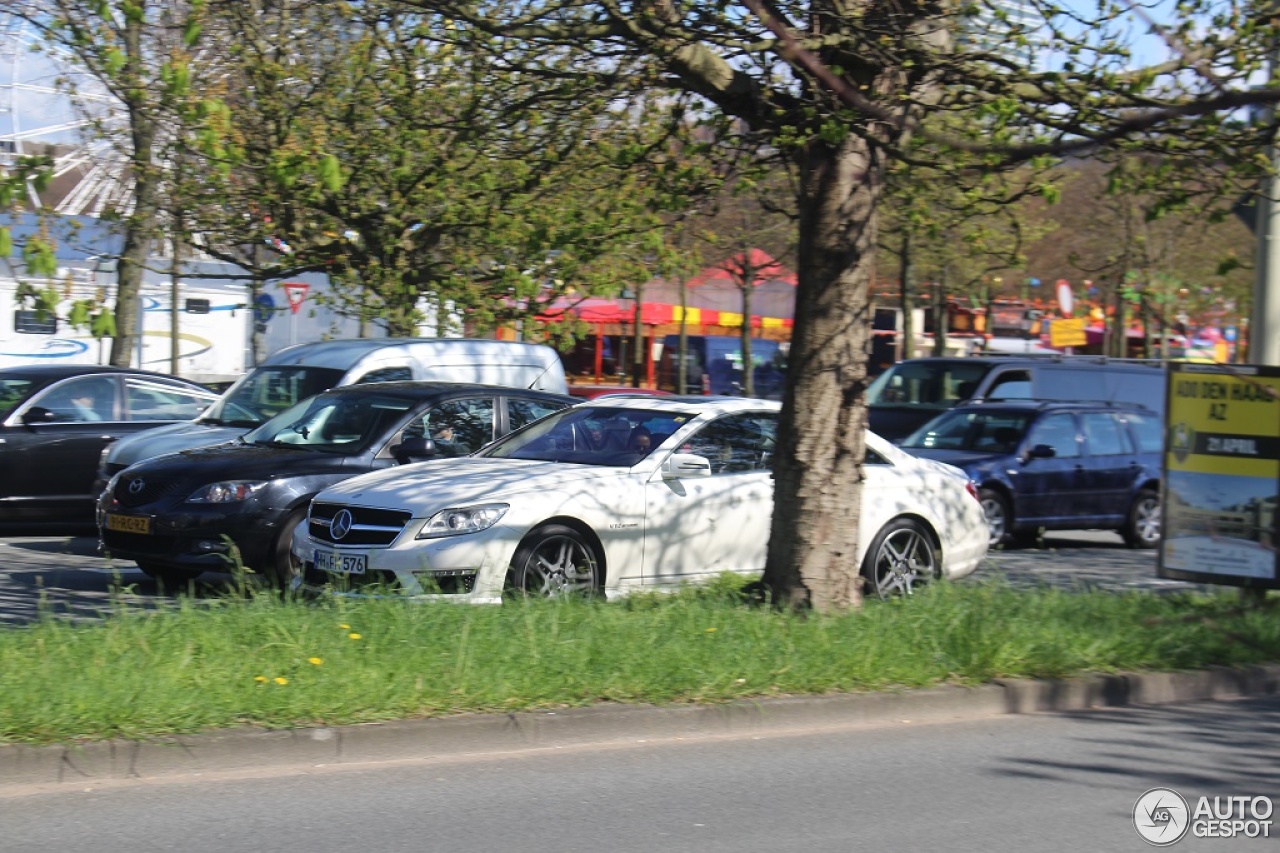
(641, 441)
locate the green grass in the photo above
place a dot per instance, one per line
(260, 661)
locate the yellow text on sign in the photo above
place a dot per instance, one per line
(1067, 333)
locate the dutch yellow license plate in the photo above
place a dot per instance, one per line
(129, 523)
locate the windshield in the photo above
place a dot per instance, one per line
(986, 431)
(927, 384)
(591, 435)
(338, 423)
(266, 392)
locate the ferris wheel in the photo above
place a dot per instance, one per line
(40, 116)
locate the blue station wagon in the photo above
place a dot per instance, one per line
(1054, 465)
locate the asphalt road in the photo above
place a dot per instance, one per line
(1058, 783)
(67, 576)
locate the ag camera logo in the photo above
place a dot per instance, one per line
(1161, 816)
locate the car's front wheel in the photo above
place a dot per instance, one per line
(555, 561)
(999, 517)
(170, 577)
(1142, 528)
(284, 567)
(901, 558)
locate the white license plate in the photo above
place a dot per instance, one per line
(340, 564)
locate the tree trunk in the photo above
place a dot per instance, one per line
(748, 374)
(141, 226)
(906, 347)
(814, 535)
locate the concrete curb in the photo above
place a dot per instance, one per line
(252, 750)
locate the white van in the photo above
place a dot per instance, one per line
(297, 372)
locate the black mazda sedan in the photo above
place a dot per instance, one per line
(56, 419)
(183, 513)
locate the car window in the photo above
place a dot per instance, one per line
(12, 391)
(267, 391)
(342, 424)
(590, 434)
(1059, 432)
(984, 431)
(1147, 432)
(83, 399)
(460, 427)
(386, 374)
(149, 400)
(523, 412)
(735, 443)
(929, 384)
(1010, 385)
(1103, 435)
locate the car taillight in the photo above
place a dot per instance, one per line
(972, 488)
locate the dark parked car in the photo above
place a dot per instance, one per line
(180, 514)
(55, 421)
(1054, 465)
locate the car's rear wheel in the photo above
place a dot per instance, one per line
(555, 561)
(999, 517)
(171, 577)
(1142, 528)
(901, 558)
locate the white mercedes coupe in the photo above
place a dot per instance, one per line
(614, 496)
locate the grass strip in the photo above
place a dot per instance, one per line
(261, 661)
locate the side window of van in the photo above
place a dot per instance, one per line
(386, 374)
(1010, 385)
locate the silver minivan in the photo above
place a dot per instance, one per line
(297, 372)
(912, 392)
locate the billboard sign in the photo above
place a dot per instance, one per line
(1221, 475)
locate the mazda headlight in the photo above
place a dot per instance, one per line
(229, 491)
(460, 520)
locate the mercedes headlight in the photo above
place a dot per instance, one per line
(461, 520)
(229, 491)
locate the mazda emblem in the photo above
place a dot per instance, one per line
(137, 485)
(341, 525)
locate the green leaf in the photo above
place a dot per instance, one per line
(104, 325)
(330, 172)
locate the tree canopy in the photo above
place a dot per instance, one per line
(841, 90)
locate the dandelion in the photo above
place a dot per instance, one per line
(280, 679)
(354, 636)
(711, 630)
(261, 679)
(315, 661)
(344, 626)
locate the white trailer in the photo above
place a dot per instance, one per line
(213, 326)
